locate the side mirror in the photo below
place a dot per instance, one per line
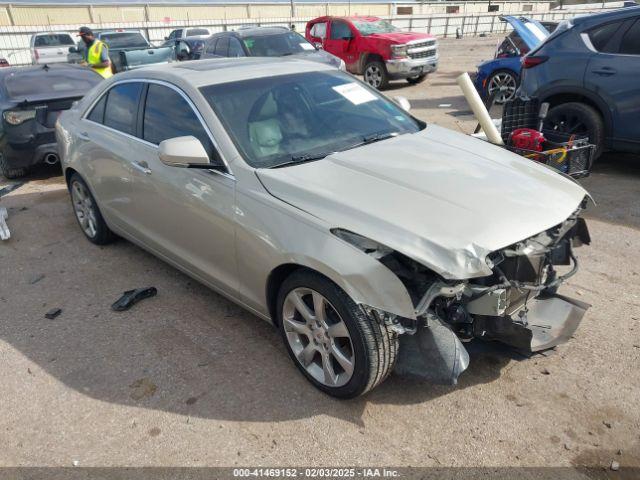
(318, 45)
(402, 103)
(74, 50)
(185, 152)
(348, 38)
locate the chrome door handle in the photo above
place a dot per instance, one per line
(83, 136)
(605, 71)
(142, 166)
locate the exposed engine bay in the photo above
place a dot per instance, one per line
(517, 305)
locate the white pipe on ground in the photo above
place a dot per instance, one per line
(479, 110)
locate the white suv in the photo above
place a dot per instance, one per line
(51, 47)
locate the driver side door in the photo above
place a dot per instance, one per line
(341, 42)
(185, 215)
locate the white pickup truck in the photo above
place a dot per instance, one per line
(52, 47)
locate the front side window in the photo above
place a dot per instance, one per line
(122, 107)
(630, 44)
(319, 30)
(274, 120)
(277, 45)
(377, 26)
(168, 115)
(211, 46)
(340, 30)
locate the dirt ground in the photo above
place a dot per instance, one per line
(189, 379)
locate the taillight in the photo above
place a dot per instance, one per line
(530, 62)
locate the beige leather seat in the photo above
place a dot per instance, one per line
(265, 133)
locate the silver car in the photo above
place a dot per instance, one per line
(372, 240)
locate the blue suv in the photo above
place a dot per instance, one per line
(588, 70)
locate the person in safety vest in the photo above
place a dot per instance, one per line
(96, 54)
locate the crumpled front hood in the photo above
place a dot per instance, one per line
(440, 197)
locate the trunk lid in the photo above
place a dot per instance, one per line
(531, 31)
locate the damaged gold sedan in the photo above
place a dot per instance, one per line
(372, 240)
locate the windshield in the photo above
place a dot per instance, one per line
(53, 40)
(58, 83)
(124, 40)
(286, 43)
(377, 26)
(274, 120)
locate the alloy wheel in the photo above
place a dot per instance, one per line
(318, 337)
(84, 209)
(504, 85)
(373, 76)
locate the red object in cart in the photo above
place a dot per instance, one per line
(527, 139)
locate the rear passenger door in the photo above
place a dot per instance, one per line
(613, 73)
(186, 215)
(110, 150)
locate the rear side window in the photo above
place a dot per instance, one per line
(222, 47)
(54, 40)
(97, 113)
(235, 48)
(602, 37)
(122, 106)
(211, 46)
(340, 30)
(168, 115)
(630, 44)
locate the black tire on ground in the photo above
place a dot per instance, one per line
(375, 346)
(418, 79)
(103, 235)
(580, 119)
(375, 74)
(10, 172)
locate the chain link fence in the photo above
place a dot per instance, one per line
(15, 46)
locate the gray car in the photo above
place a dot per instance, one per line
(372, 240)
(267, 42)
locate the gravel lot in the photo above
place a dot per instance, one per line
(189, 379)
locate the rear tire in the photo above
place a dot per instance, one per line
(580, 119)
(370, 347)
(87, 213)
(10, 172)
(375, 74)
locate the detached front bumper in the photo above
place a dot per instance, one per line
(411, 67)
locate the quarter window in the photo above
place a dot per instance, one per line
(601, 37)
(630, 44)
(97, 113)
(122, 106)
(168, 115)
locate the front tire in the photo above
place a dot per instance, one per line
(330, 339)
(580, 119)
(87, 212)
(375, 74)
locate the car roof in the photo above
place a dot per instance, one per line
(198, 73)
(253, 31)
(589, 20)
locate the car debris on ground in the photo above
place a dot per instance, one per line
(131, 297)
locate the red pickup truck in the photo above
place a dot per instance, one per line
(374, 48)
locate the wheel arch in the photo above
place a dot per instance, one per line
(367, 57)
(559, 97)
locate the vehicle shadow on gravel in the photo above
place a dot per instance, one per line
(187, 351)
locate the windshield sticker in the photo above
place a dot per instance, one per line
(355, 93)
(307, 46)
(249, 42)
